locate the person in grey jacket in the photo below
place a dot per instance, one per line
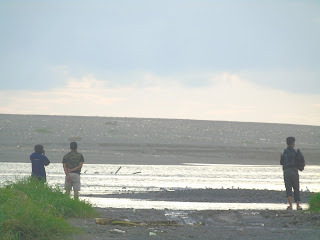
(289, 164)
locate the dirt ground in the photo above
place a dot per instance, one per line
(208, 224)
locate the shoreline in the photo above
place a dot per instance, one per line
(168, 163)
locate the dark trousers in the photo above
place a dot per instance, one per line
(40, 178)
(291, 180)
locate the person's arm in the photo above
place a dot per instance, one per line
(76, 168)
(66, 171)
(46, 161)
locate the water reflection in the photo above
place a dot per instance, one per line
(100, 179)
(145, 204)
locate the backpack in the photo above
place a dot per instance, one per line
(301, 163)
(292, 159)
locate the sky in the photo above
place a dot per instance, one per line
(241, 60)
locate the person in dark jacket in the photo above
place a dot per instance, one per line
(289, 164)
(39, 160)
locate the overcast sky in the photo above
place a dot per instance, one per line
(253, 61)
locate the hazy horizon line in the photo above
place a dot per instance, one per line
(154, 118)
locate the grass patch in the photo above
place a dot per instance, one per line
(114, 131)
(314, 203)
(30, 209)
(43, 130)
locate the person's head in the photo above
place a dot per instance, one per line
(291, 141)
(73, 146)
(38, 148)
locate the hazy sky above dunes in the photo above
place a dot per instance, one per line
(255, 61)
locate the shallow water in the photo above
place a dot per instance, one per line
(145, 204)
(99, 179)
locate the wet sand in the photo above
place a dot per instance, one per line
(206, 224)
(232, 224)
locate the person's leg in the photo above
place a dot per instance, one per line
(290, 202)
(288, 185)
(76, 194)
(296, 188)
(40, 178)
(67, 186)
(76, 184)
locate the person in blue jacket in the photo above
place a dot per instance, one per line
(39, 160)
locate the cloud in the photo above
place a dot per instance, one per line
(226, 97)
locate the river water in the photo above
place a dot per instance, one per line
(100, 179)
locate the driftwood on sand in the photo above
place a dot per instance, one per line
(107, 221)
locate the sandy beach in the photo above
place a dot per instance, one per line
(263, 224)
(230, 224)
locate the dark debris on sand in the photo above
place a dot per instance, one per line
(207, 224)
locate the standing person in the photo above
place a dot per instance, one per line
(72, 164)
(289, 164)
(39, 160)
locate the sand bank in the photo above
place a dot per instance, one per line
(153, 141)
